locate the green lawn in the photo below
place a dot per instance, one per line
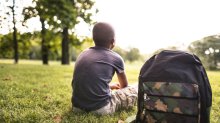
(31, 92)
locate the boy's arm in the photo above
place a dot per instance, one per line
(122, 79)
(122, 82)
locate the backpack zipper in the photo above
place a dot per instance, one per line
(188, 98)
(146, 98)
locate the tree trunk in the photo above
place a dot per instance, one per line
(65, 46)
(44, 45)
(15, 42)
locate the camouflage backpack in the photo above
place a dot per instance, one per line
(173, 88)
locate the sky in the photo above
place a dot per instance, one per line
(153, 24)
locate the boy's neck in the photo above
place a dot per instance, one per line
(106, 47)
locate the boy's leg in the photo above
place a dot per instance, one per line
(124, 98)
(102, 111)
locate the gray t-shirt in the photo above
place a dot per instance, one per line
(94, 69)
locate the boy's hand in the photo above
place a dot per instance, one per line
(114, 86)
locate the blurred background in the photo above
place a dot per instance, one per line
(58, 30)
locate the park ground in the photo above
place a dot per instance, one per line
(31, 92)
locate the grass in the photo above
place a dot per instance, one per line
(31, 92)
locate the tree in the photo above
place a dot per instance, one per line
(67, 13)
(15, 34)
(12, 12)
(120, 51)
(60, 15)
(40, 9)
(133, 54)
(208, 50)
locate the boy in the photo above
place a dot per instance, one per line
(94, 69)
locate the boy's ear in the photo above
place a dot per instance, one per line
(112, 43)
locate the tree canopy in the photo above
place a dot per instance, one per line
(61, 16)
(208, 49)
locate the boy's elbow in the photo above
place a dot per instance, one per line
(122, 80)
(124, 85)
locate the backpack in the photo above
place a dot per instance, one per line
(173, 88)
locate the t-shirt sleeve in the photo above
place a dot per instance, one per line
(119, 64)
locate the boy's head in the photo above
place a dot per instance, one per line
(103, 35)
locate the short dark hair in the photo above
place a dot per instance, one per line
(103, 33)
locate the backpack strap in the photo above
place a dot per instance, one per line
(206, 94)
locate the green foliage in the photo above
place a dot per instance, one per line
(60, 15)
(131, 55)
(67, 13)
(54, 44)
(24, 44)
(208, 50)
(6, 46)
(36, 93)
(29, 45)
(40, 8)
(120, 51)
(35, 52)
(79, 46)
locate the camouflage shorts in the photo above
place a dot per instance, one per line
(124, 98)
(121, 99)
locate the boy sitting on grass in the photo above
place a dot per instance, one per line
(94, 69)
